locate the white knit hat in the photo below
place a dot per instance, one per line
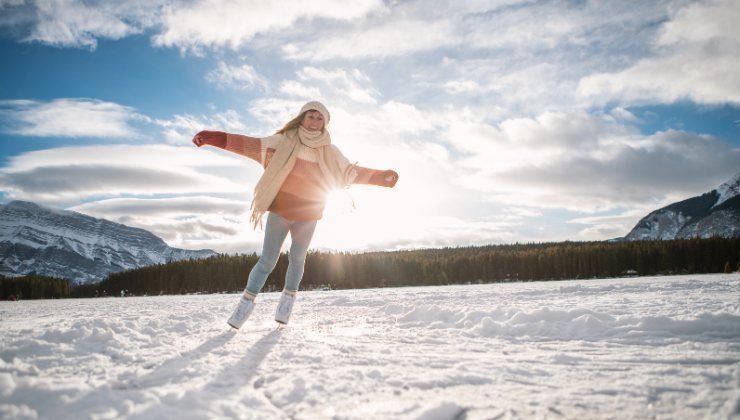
(316, 106)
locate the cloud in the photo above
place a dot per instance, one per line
(351, 98)
(611, 225)
(295, 88)
(173, 207)
(241, 77)
(348, 82)
(189, 26)
(71, 174)
(695, 60)
(181, 128)
(384, 40)
(231, 23)
(192, 222)
(77, 23)
(704, 21)
(336, 85)
(587, 163)
(457, 86)
(510, 57)
(76, 181)
(513, 29)
(68, 117)
(82, 117)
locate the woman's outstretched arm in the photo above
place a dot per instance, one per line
(250, 147)
(383, 178)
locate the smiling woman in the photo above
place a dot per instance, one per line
(301, 168)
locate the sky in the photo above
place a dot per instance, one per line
(507, 121)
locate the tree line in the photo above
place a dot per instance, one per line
(34, 287)
(481, 264)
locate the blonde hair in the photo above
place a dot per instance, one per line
(292, 124)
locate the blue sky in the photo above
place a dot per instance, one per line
(508, 121)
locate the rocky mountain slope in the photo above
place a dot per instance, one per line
(44, 241)
(716, 213)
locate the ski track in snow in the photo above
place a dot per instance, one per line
(652, 347)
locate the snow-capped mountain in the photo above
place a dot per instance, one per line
(51, 242)
(716, 213)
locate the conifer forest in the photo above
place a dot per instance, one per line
(461, 265)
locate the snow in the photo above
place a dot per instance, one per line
(60, 234)
(654, 347)
(728, 190)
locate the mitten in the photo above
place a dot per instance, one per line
(385, 178)
(212, 138)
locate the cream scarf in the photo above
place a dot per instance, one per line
(282, 163)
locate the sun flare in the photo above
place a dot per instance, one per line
(357, 219)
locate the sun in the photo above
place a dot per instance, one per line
(355, 219)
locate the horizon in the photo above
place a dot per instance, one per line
(238, 253)
(509, 122)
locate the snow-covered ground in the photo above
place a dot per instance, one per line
(659, 347)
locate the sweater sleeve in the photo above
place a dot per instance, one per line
(250, 147)
(349, 170)
(365, 175)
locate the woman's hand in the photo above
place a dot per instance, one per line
(213, 138)
(386, 178)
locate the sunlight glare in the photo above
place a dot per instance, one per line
(357, 219)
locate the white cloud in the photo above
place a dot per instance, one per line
(703, 21)
(173, 207)
(585, 163)
(78, 173)
(182, 128)
(704, 77)
(613, 224)
(515, 59)
(335, 86)
(82, 117)
(68, 117)
(298, 89)
(77, 23)
(348, 82)
(458, 86)
(527, 25)
(241, 77)
(232, 23)
(695, 59)
(192, 222)
(275, 112)
(389, 39)
(190, 26)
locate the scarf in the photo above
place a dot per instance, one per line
(282, 163)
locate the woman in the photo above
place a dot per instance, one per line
(301, 167)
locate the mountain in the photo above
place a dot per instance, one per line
(36, 240)
(716, 213)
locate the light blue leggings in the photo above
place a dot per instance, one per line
(276, 229)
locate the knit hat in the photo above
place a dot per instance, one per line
(316, 106)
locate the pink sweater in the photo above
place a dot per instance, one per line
(303, 194)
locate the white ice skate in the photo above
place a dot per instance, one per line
(242, 311)
(285, 307)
